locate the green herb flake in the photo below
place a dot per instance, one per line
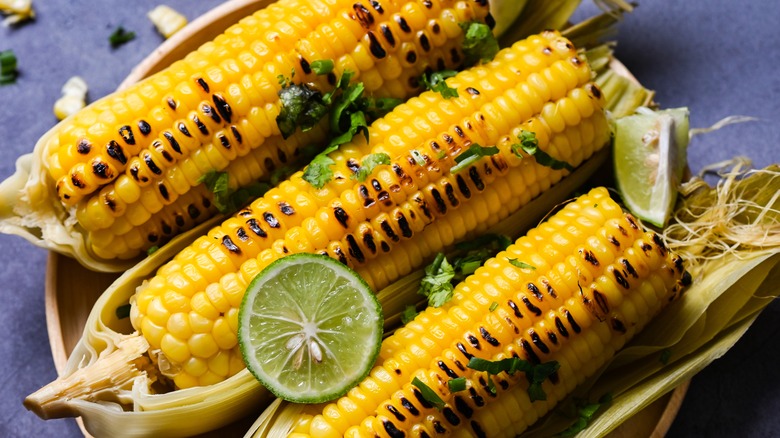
(379, 107)
(152, 250)
(472, 155)
(479, 44)
(493, 306)
(535, 374)
(409, 313)
(302, 108)
(428, 394)
(457, 384)
(585, 413)
(120, 36)
(436, 82)
(418, 157)
(217, 183)
(519, 264)
(369, 164)
(122, 312)
(318, 172)
(498, 241)
(322, 66)
(666, 354)
(436, 284)
(530, 145)
(8, 72)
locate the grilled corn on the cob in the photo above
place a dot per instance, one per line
(591, 279)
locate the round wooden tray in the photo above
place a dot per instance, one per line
(71, 290)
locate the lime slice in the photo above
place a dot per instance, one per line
(650, 157)
(309, 328)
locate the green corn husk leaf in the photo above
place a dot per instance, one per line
(732, 231)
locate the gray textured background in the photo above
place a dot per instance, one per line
(717, 57)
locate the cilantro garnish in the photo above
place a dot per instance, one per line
(456, 385)
(122, 312)
(585, 413)
(436, 82)
(535, 374)
(8, 72)
(318, 172)
(408, 314)
(368, 164)
(302, 108)
(379, 107)
(479, 43)
(226, 200)
(322, 66)
(530, 145)
(519, 264)
(120, 36)
(428, 394)
(471, 155)
(436, 284)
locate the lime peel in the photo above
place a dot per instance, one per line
(310, 328)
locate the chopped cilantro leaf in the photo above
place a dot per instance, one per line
(530, 145)
(456, 385)
(302, 108)
(226, 200)
(418, 157)
(436, 82)
(436, 284)
(493, 306)
(519, 264)
(152, 250)
(479, 43)
(471, 155)
(369, 164)
(8, 72)
(123, 311)
(428, 394)
(357, 123)
(318, 172)
(322, 66)
(379, 107)
(408, 314)
(535, 374)
(585, 413)
(120, 36)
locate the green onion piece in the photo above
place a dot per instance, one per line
(322, 66)
(521, 265)
(457, 385)
(530, 145)
(493, 306)
(152, 250)
(8, 72)
(428, 394)
(120, 36)
(471, 155)
(418, 157)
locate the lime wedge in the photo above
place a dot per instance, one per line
(309, 328)
(650, 157)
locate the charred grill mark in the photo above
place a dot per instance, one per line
(115, 151)
(172, 141)
(172, 104)
(530, 306)
(427, 3)
(255, 228)
(353, 165)
(397, 414)
(389, 231)
(201, 127)
(424, 42)
(537, 340)
(126, 132)
(474, 175)
(391, 430)
(473, 341)
(646, 247)
(403, 223)
(368, 241)
(341, 216)
(476, 398)
(388, 34)
(589, 257)
(451, 416)
(596, 92)
(529, 352)
(478, 430)
(462, 349)
(183, 129)
(423, 207)
(630, 268)
(228, 243)
(163, 191)
(193, 211)
(548, 287)
(241, 234)
(206, 202)
(440, 204)
(459, 132)
(110, 202)
(514, 308)
(552, 337)
(614, 241)
(472, 91)
(409, 406)
(561, 328)
(332, 78)
(203, 84)
(402, 24)
(377, 6)
(618, 325)
(101, 169)
(621, 280)
(373, 44)
(222, 107)
(305, 66)
(447, 139)
(144, 128)
(376, 185)
(363, 15)
(447, 370)
(179, 220)
(152, 237)
(236, 134)
(463, 407)
(271, 220)
(269, 164)
(463, 187)
(455, 55)
(420, 399)
(286, 208)
(354, 249)
(411, 57)
(488, 337)
(601, 301)
(340, 255)
(166, 229)
(572, 321)
(209, 111)
(678, 264)
(84, 146)
(450, 192)
(385, 247)
(622, 230)
(535, 291)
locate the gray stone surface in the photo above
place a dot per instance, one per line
(717, 57)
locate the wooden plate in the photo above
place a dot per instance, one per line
(71, 290)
